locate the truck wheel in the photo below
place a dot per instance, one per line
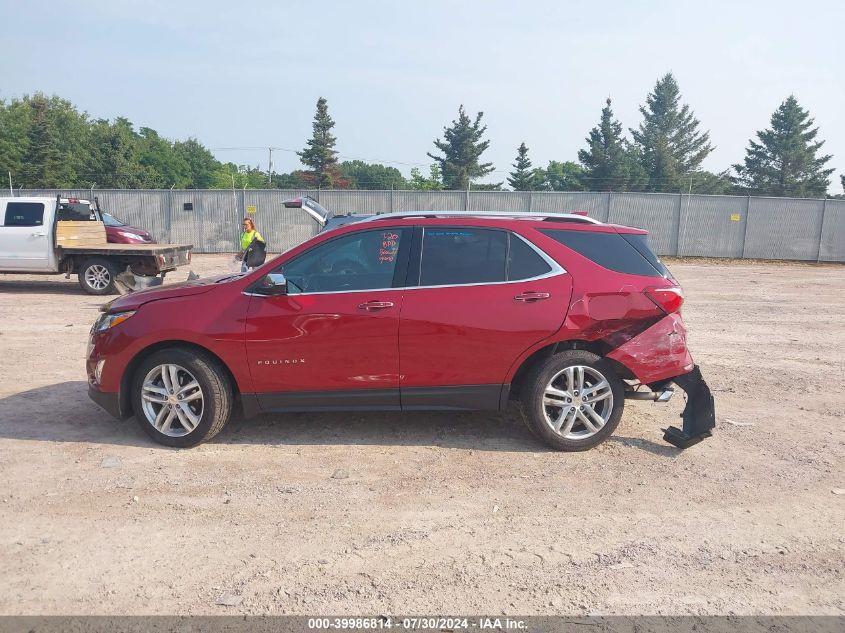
(573, 400)
(181, 397)
(96, 276)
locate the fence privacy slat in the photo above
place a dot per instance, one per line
(680, 224)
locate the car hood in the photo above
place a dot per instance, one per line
(128, 229)
(135, 300)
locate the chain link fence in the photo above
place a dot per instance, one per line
(680, 224)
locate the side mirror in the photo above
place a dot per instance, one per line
(273, 284)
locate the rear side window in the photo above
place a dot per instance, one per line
(24, 214)
(453, 256)
(523, 261)
(609, 250)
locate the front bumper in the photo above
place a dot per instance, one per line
(699, 416)
(108, 401)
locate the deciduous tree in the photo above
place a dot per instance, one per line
(434, 181)
(362, 175)
(560, 176)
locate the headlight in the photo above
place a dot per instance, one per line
(131, 236)
(108, 321)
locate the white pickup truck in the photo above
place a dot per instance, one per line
(67, 235)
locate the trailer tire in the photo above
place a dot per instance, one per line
(96, 276)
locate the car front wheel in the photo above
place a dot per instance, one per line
(181, 397)
(573, 400)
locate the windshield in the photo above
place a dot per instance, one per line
(110, 220)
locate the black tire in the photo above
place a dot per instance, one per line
(533, 410)
(96, 276)
(216, 391)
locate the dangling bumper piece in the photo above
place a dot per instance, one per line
(699, 415)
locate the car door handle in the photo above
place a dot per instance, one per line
(531, 297)
(38, 234)
(371, 306)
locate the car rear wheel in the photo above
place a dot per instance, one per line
(96, 276)
(181, 397)
(573, 400)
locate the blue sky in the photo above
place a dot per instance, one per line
(247, 74)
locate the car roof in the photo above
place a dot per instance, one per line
(487, 218)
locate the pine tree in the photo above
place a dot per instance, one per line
(669, 141)
(522, 177)
(462, 148)
(784, 162)
(320, 156)
(609, 162)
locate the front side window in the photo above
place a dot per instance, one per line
(365, 260)
(24, 214)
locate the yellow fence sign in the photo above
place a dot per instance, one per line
(735, 217)
(251, 210)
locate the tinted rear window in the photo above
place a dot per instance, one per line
(24, 214)
(640, 242)
(609, 250)
(77, 212)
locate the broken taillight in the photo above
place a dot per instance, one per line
(667, 299)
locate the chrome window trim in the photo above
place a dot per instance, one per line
(556, 270)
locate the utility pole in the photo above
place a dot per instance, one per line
(270, 167)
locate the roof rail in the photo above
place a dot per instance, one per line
(554, 217)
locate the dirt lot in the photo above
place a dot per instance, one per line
(440, 513)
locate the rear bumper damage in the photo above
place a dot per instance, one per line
(699, 416)
(659, 356)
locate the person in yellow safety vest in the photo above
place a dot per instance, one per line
(248, 236)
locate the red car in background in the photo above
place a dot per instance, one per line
(564, 315)
(118, 232)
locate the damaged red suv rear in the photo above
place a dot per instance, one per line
(564, 315)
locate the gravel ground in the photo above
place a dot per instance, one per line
(438, 512)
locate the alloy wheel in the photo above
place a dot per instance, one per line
(98, 277)
(172, 400)
(577, 402)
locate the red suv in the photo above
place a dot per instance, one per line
(118, 232)
(401, 312)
